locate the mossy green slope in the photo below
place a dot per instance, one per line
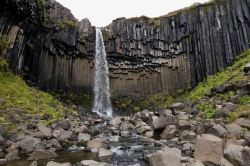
(22, 104)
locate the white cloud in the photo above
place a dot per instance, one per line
(102, 12)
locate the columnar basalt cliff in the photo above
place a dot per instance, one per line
(178, 50)
(146, 55)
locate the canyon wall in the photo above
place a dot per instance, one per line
(146, 55)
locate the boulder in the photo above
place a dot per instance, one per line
(81, 129)
(104, 153)
(143, 129)
(53, 143)
(125, 133)
(65, 124)
(234, 129)
(42, 154)
(169, 157)
(96, 143)
(184, 125)
(237, 154)
(149, 134)
(93, 163)
(45, 130)
(52, 163)
(195, 163)
(217, 130)
(209, 149)
(82, 137)
(169, 132)
(164, 120)
(188, 136)
(116, 121)
(228, 107)
(34, 163)
(28, 143)
(243, 122)
(113, 138)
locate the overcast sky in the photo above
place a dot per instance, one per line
(102, 12)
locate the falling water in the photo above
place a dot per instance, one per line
(102, 103)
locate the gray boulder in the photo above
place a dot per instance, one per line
(52, 163)
(169, 157)
(83, 138)
(209, 149)
(217, 130)
(169, 132)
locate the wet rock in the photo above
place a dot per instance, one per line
(143, 129)
(93, 163)
(83, 137)
(169, 157)
(113, 138)
(188, 136)
(209, 149)
(28, 143)
(42, 154)
(243, 122)
(217, 130)
(149, 134)
(169, 132)
(45, 130)
(247, 68)
(115, 121)
(3, 161)
(234, 129)
(52, 163)
(126, 126)
(65, 124)
(104, 153)
(96, 143)
(125, 133)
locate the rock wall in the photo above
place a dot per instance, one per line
(48, 44)
(178, 50)
(146, 55)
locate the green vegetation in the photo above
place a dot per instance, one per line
(67, 24)
(231, 75)
(41, 4)
(4, 42)
(20, 102)
(208, 110)
(152, 22)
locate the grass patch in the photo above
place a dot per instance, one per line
(22, 102)
(67, 24)
(230, 75)
(4, 42)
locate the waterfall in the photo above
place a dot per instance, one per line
(102, 104)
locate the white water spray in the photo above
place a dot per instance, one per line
(102, 103)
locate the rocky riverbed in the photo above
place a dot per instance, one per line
(184, 134)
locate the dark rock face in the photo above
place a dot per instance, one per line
(146, 56)
(48, 44)
(175, 52)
